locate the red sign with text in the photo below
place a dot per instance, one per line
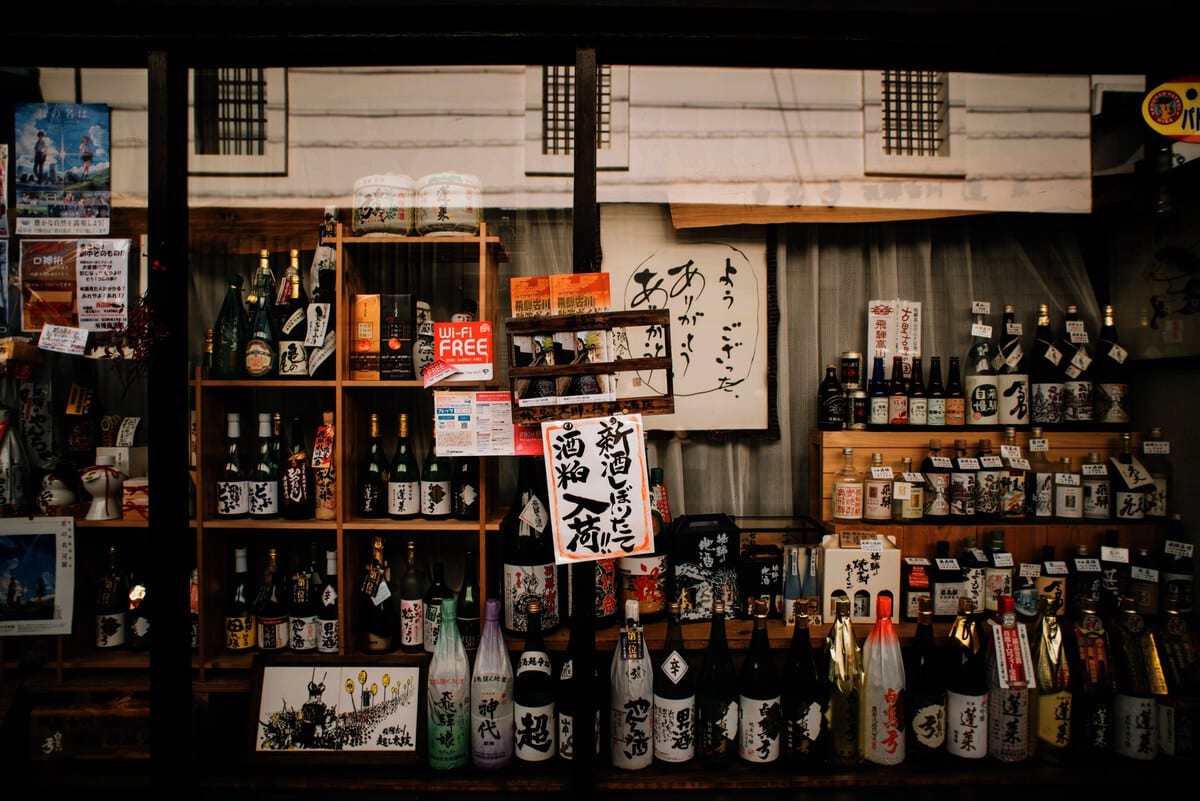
(465, 346)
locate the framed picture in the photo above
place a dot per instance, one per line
(37, 575)
(322, 706)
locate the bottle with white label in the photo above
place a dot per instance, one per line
(998, 575)
(1068, 491)
(881, 717)
(979, 379)
(966, 686)
(1015, 477)
(1156, 452)
(847, 489)
(1132, 483)
(534, 718)
(1010, 685)
(963, 483)
(674, 697)
(631, 710)
(1097, 488)
(1039, 481)
(1051, 582)
(946, 582)
(759, 696)
(1076, 369)
(1139, 678)
(1012, 373)
(989, 483)
(877, 490)
(936, 470)
(908, 492)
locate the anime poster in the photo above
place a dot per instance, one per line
(37, 575)
(63, 170)
(328, 707)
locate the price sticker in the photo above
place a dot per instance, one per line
(1087, 564)
(991, 462)
(1010, 451)
(1077, 332)
(1019, 464)
(1002, 559)
(1028, 570)
(871, 545)
(1094, 470)
(947, 563)
(901, 491)
(1056, 567)
(981, 307)
(968, 463)
(1147, 574)
(913, 478)
(1039, 445)
(916, 561)
(941, 461)
(1066, 479)
(1157, 447)
(882, 473)
(1015, 329)
(981, 330)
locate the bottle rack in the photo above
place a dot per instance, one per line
(655, 404)
(467, 263)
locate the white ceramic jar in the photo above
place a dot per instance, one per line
(383, 204)
(448, 203)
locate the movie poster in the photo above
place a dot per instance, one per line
(62, 169)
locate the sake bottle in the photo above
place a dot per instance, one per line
(447, 695)
(759, 696)
(631, 700)
(881, 728)
(491, 695)
(845, 686)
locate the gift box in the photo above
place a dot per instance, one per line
(703, 556)
(859, 565)
(132, 460)
(136, 499)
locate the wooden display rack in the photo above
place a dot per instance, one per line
(656, 404)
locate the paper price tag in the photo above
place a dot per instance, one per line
(871, 546)
(981, 307)
(913, 478)
(1056, 568)
(1158, 447)
(1094, 470)
(1014, 358)
(1066, 479)
(1015, 329)
(1010, 451)
(992, 462)
(127, 430)
(1028, 570)
(1088, 564)
(881, 472)
(1002, 559)
(916, 561)
(968, 463)
(941, 461)
(1040, 444)
(1147, 574)
(1110, 553)
(1176, 548)
(1019, 464)
(947, 564)
(1077, 331)
(981, 330)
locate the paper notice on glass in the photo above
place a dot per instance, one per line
(894, 329)
(481, 424)
(599, 491)
(63, 339)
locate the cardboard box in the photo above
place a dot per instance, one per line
(397, 333)
(136, 503)
(132, 460)
(858, 572)
(364, 338)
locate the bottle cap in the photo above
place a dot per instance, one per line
(491, 609)
(534, 607)
(883, 607)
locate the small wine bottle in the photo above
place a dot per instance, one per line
(297, 481)
(404, 477)
(881, 721)
(293, 358)
(328, 625)
(805, 697)
(759, 696)
(448, 695)
(631, 717)
(263, 484)
(535, 726)
(674, 697)
(112, 603)
(435, 484)
(412, 603)
(233, 500)
(372, 475)
(377, 612)
(270, 609)
(437, 590)
(845, 686)
(240, 630)
(717, 696)
(492, 695)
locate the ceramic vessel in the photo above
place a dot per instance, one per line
(448, 203)
(383, 204)
(105, 484)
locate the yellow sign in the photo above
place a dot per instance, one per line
(1173, 109)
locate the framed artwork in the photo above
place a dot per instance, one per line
(37, 574)
(321, 706)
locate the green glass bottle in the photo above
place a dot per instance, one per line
(231, 332)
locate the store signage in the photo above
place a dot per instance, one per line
(1173, 109)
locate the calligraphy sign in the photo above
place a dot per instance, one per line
(716, 292)
(599, 493)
